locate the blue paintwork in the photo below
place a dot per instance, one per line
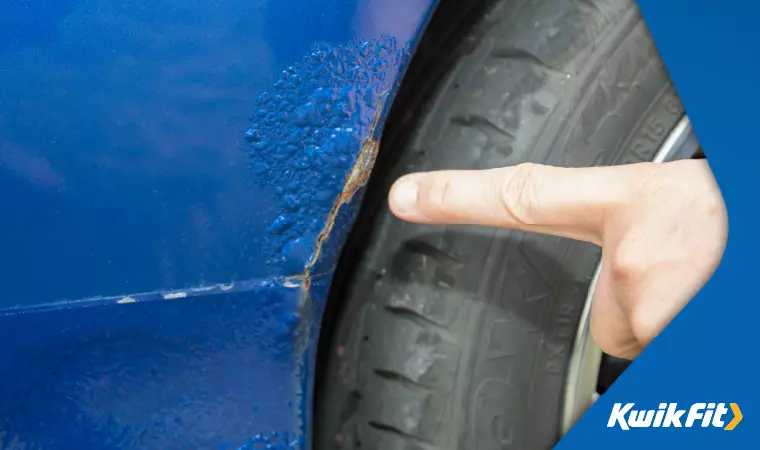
(191, 152)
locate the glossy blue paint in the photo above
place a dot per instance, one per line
(207, 370)
(193, 152)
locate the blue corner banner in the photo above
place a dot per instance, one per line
(704, 365)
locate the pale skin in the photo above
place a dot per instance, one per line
(662, 229)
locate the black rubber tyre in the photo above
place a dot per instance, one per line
(459, 337)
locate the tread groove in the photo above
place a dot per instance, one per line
(423, 443)
(424, 322)
(392, 375)
(591, 4)
(523, 55)
(427, 249)
(482, 124)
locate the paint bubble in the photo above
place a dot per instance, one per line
(280, 225)
(296, 255)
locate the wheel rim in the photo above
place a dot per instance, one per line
(586, 357)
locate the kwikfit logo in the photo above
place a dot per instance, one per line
(668, 415)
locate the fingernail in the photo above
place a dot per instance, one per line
(405, 195)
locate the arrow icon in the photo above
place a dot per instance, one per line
(737, 417)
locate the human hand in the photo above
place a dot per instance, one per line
(662, 229)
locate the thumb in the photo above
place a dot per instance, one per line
(568, 202)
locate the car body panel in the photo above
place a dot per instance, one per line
(178, 179)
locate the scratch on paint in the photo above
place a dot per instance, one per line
(126, 300)
(290, 283)
(175, 295)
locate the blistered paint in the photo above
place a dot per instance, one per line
(208, 154)
(304, 134)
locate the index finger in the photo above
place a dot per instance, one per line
(569, 202)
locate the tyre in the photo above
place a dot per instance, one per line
(459, 337)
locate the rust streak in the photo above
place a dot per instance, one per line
(356, 178)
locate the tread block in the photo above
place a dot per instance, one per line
(406, 410)
(415, 351)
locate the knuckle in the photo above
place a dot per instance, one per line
(643, 327)
(627, 264)
(518, 194)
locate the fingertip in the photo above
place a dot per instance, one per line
(403, 197)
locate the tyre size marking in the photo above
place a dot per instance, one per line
(649, 136)
(654, 130)
(488, 411)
